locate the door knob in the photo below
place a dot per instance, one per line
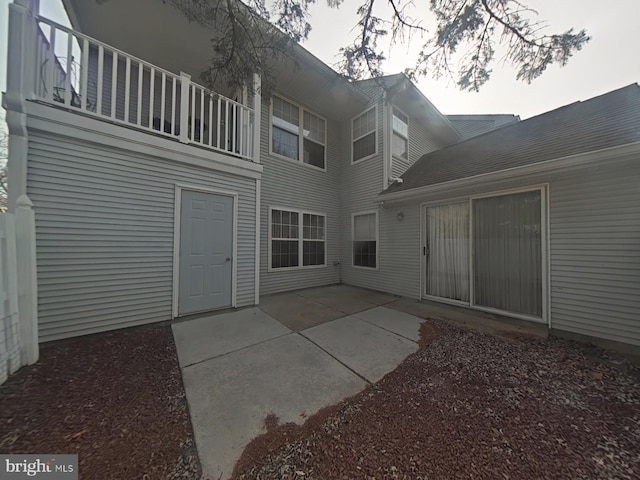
(227, 259)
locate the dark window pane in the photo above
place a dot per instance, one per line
(313, 253)
(364, 146)
(284, 253)
(285, 143)
(313, 153)
(507, 261)
(364, 254)
(313, 227)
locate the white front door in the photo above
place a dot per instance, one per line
(206, 249)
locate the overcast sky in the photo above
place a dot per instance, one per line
(609, 61)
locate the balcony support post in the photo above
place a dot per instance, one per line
(20, 87)
(185, 87)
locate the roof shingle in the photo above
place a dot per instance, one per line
(609, 120)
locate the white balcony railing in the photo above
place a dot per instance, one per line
(83, 74)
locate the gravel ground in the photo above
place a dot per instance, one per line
(470, 405)
(115, 399)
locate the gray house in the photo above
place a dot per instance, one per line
(157, 198)
(538, 220)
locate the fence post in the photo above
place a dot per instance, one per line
(10, 360)
(27, 279)
(185, 86)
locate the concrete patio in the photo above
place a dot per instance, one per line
(298, 352)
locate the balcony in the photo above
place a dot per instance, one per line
(84, 75)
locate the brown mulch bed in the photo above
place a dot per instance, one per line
(470, 405)
(115, 399)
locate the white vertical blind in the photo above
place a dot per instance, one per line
(448, 244)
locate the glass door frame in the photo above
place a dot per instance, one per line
(545, 257)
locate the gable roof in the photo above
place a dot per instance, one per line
(406, 94)
(472, 125)
(609, 120)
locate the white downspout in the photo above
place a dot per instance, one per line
(386, 150)
(257, 120)
(257, 116)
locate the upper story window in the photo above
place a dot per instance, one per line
(363, 135)
(297, 239)
(297, 133)
(400, 140)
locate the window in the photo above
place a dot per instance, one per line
(312, 239)
(365, 235)
(297, 134)
(284, 239)
(287, 228)
(400, 140)
(363, 135)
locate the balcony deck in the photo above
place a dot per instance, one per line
(84, 75)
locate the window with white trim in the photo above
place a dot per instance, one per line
(297, 239)
(297, 133)
(365, 240)
(400, 137)
(363, 135)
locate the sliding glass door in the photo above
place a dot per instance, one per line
(507, 253)
(504, 234)
(448, 251)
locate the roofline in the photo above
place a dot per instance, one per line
(444, 120)
(299, 53)
(387, 82)
(577, 159)
(322, 67)
(480, 116)
(71, 13)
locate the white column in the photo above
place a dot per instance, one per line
(257, 120)
(27, 280)
(20, 86)
(185, 86)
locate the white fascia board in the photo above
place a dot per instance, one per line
(578, 160)
(53, 120)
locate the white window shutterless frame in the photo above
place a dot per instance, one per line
(364, 142)
(297, 134)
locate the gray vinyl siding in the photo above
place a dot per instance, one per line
(398, 269)
(420, 143)
(399, 252)
(595, 252)
(104, 233)
(361, 183)
(289, 184)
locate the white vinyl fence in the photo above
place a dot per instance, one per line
(18, 290)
